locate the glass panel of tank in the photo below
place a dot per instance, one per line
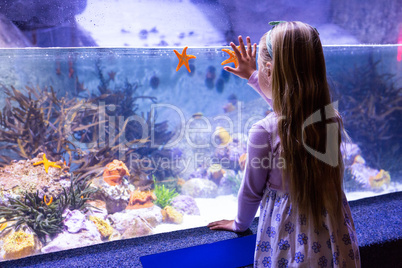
(102, 144)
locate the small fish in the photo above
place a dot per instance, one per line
(210, 77)
(79, 87)
(211, 73)
(154, 82)
(111, 75)
(225, 75)
(192, 69)
(48, 202)
(233, 99)
(70, 69)
(143, 34)
(176, 153)
(197, 115)
(154, 30)
(229, 107)
(220, 85)
(223, 135)
(58, 68)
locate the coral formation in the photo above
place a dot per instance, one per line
(123, 99)
(359, 160)
(41, 121)
(115, 197)
(138, 227)
(381, 178)
(3, 224)
(114, 172)
(140, 199)
(103, 227)
(200, 188)
(170, 215)
(231, 152)
(18, 245)
(180, 182)
(74, 221)
(185, 204)
(140, 169)
(216, 172)
(21, 176)
(368, 177)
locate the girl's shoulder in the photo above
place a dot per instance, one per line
(269, 123)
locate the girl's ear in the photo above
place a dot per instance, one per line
(269, 67)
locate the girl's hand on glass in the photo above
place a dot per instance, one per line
(221, 225)
(246, 58)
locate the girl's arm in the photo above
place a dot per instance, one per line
(253, 82)
(253, 183)
(255, 177)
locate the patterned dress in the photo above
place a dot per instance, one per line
(284, 238)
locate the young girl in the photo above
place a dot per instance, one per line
(305, 219)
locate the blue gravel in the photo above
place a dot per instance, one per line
(378, 222)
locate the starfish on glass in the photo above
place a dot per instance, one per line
(183, 57)
(47, 163)
(232, 58)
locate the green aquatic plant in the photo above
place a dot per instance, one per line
(43, 216)
(164, 195)
(236, 182)
(76, 197)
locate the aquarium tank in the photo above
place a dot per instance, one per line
(108, 132)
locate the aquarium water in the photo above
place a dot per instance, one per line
(121, 130)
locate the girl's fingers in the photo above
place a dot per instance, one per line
(220, 225)
(215, 223)
(230, 69)
(249, 51)
(254, 54)
(236, 50)
(241, 43)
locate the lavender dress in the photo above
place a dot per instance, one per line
(283, 237)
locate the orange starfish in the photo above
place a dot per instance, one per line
(232, 58)
(47, 163)
(183, 57)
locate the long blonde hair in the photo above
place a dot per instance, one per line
(299, 90)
